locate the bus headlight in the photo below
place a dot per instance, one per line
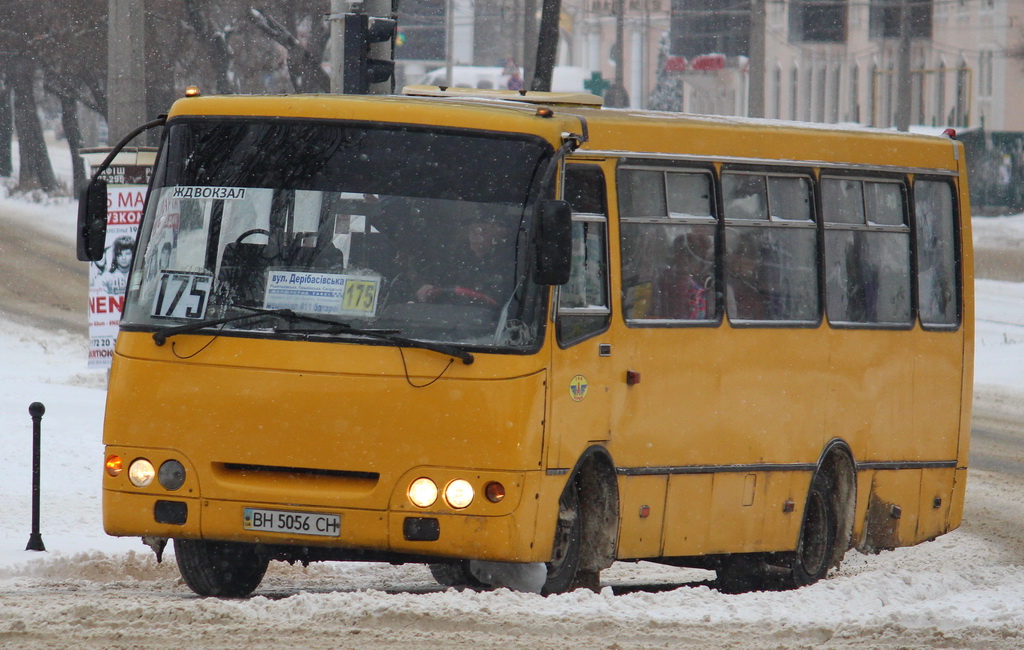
(171, 475)
(141, 472)
(459, 493)
(422, 492)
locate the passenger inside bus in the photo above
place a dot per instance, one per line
(684, 289)
(746, 297)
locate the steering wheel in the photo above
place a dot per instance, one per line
(249, 233)
(461, 294)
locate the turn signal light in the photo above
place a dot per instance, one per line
(114, 465)
(494, 492)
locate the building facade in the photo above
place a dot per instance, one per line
(819, 60)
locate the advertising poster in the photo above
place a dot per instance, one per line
(108, 277)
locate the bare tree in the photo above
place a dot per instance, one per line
(61, 48)
(58, 45)
(304, 67)
(35, 171)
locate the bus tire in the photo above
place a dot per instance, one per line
(221, 569)
(818, 533)
(563, 569)
(454, 574)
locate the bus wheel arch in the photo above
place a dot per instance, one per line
(586, 535)
(824, 537)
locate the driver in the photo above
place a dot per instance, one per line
(479, 271)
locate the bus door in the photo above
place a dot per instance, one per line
(581, 367)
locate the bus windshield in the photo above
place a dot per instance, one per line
(421, 233)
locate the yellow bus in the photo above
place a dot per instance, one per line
(484, 330)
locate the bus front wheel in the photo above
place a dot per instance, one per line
(564, 572)
(454, 574)
(222, 569)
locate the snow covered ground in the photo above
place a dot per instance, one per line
(966, 589)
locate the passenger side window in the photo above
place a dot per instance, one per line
(771, 248)
(668, 242)
(867, 251)
(936, 239)
(583, 306)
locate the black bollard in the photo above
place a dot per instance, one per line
(35, 540)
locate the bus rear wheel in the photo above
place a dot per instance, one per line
(809, 563)
(818, 534)
(221, 569)
(813, 556)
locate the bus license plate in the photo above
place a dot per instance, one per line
(282, 521)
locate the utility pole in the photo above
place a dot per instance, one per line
(755, 62)
(126, 67)
(547, 46)
(903, 84)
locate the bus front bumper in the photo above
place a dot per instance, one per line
(401, 530)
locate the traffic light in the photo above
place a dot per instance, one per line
(360, 69)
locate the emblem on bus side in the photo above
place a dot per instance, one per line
(578, 388)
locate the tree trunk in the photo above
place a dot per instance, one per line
(35, 171)
(69, 119)
(6, 130)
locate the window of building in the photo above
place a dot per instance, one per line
(834, 85)
(794, 93)
(867, 251)
(854, 93)
(777, 93)
(771, 248)
(963, 91)
(668, 235)
(885, 18)
(709, 26)
(818, 21)
(820, 93)
(940, 94)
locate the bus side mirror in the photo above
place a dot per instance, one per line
(92, 221)
(554, 242)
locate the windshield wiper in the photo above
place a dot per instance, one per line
(161, 337)
(334, 327)
(338, 327)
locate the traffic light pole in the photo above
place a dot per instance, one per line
(338, 9)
